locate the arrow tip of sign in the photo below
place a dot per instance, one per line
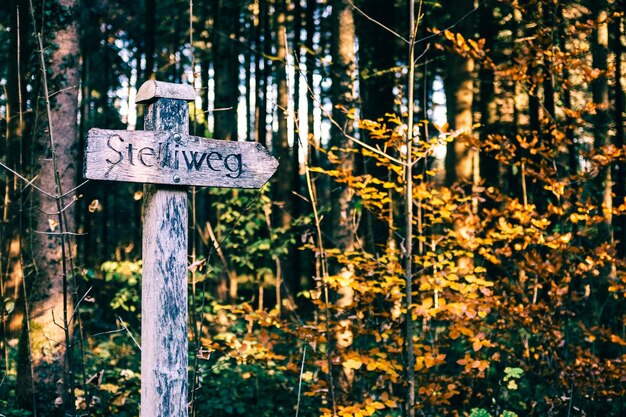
(269, 158)
(153, 89)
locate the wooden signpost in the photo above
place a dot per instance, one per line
(166, 158)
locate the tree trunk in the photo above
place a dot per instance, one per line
(280, 142)
(225, 70)
(149, 39)
(620, 176)
(50, 294)
(459, 98)
(14, 150)
(262, 73)
(378, 54)
(601, 119)
(491, 168)
(296, 182)
(313, 142)
(342, 228)
(461, 156)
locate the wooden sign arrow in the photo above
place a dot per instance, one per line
(173, 158)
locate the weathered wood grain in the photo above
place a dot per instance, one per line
(153, 89)
(166, 158)
(174, 158)
(164, 357)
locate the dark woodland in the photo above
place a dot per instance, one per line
(445, 234)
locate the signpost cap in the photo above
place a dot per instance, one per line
(152, 89)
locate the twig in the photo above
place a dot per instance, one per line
(129, 332)
(300, 379)
(368, 17)
(54, 93)
(28, 182)
(75, 188)
(410, 363)
(465, 16)
(56, 213)
(59, 233)
(324, 270)
(79, 302)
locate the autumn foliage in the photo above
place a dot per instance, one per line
(298, 302)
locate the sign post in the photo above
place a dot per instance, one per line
(166, 159)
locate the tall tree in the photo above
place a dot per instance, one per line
(149, 39)
(55, 165)
(459, 87)
(311, 61)
(601, 118)
(342, 230)
(602, 184)
(488, 104)
(280, 141)
(14, 151)
(226, 69)
(264, 48)
(377, 56)
(461, 162)
(620, 177)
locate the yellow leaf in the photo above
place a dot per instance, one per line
(618, 340)
(352, 364)
(477, 345)
(391, 403)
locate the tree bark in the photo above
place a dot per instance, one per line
(459, 86)
(378, 53)
(491, 168)
(149, 39)
(342, 228)
(311, 62)
(280, 142)
(226, 73)
(461, 162)
(50, 292)
(619, 174)
(261, 74)
(601, 119)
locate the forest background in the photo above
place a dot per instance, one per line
(445, 234)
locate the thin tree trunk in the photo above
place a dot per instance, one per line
(280, 143)
(149, 40)
(620, 174)
(296, 182)
(261, 73)
(488, 105)
(225, 70)
(226, 76)
(310, 70)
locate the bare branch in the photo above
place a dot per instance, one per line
(129, 333)
(56, 213)
(28, 182)
(59, 233)
(75, 188)
(371, 19)
(54, 93)
(78, 303)
(465, 16)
